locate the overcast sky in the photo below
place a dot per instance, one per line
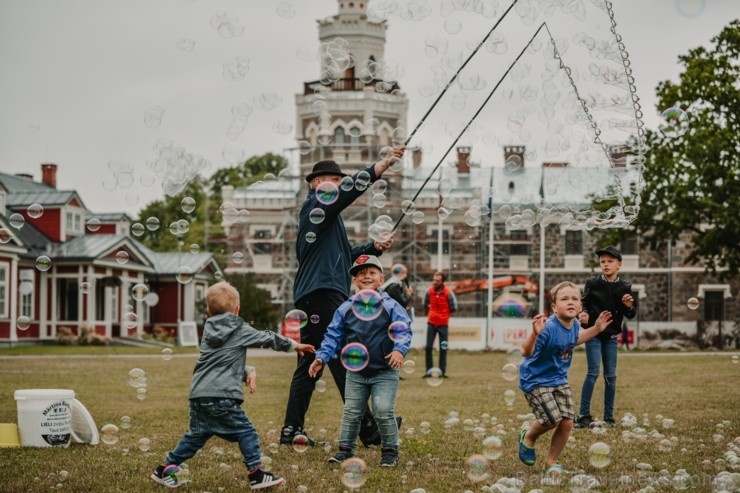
(82, 81)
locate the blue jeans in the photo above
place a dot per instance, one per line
(381, 388)
(598, 351)
(223, 418)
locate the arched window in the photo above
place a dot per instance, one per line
(339, 136)
(354, 137)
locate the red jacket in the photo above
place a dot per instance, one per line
(439, 305)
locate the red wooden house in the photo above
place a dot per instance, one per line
(63, 266)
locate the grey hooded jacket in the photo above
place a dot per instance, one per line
(219, 370)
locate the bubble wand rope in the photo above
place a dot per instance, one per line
(452, 79)
(462, 132)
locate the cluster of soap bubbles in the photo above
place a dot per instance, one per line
(236, 69)
(122, 177)
(175, 166)
(138, 380)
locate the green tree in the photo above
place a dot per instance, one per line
(175, 222)
(692, 175)
(207, 215)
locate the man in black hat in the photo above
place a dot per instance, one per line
(604, 292)
(322, 282)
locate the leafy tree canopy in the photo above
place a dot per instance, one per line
(692, 171)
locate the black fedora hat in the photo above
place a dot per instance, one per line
(325, 168)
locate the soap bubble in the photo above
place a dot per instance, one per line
(300, 443)
(367, 304)
(35, 211)
(354, 356)
(510, 372)
(93, 224)
(145, 444)
(187, 205)
(296, 319)
(139, 292)
(692, 303)
(599, 455)
(399, 332)
(353, 472)
(109, 434)
(320, 385)
(22, 323)
(122, 257)
(674, 122)
(316, 216)
(409, 366)
(327, 193)
(43, 263)
(492, 447)
(476, 468)
(434, 377)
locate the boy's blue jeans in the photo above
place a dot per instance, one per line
(381, 388)
(223, 418)
(598, 351)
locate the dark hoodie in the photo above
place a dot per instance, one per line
(219, 370)
(324, 262)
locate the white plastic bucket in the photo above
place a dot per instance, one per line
(45, 417)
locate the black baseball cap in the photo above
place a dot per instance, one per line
(610, 250)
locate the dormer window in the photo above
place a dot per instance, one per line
(73, 222)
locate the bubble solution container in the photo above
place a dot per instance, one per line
(45, 417)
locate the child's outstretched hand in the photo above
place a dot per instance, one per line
(538, 323)
(605, 318)
(395, 359)
(315, 368)
(628, 300)
(304, 348)
(251, 381)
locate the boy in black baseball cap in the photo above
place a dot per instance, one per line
(604, 292)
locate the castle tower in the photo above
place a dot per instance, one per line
(356, 106)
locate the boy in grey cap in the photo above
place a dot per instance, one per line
(377, 375)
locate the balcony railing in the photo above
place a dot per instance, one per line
(349, 84)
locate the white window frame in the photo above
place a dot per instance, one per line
(4, 291)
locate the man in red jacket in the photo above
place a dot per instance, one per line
(439, 302)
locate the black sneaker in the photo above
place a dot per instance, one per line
(260, 479)
(389, 457)
(341, 456)
(167, 475)
(583, 422)
(610, 423)
(288, 435)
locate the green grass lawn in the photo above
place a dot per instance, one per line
(699, 392)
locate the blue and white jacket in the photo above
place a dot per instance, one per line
(346, 327)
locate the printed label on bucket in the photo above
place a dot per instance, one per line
(56, 423)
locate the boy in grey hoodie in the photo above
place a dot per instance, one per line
(216, 391)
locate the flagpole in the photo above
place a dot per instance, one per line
(489, 302)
